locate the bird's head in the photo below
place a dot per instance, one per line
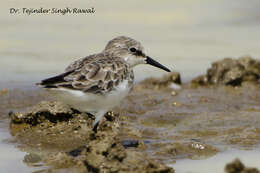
(131, 51)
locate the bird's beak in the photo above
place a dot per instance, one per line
(156, 64)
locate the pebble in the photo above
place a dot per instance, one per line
(175, 86)
(173, 93)
(130, 143)
(198, 146)
(3, 91)
(176, 104)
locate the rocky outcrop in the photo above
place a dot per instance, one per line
(231, 72)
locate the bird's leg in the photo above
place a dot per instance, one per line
(99, 115)
(95, 127)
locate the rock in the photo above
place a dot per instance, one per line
(238, 167)
(104, 156)
(31, 158)
(231, 72)
(190, 150)
(51, 126)
(172, 79)
(52, 111)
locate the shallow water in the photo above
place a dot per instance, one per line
(185, 35)
(11, 158)
(216, 164)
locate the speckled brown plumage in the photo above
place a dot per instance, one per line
(98, 73)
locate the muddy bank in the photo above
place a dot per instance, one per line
(232, 72)
(195, 123)
(69, 142)
(162, 119)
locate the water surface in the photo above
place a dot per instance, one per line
(185, 35)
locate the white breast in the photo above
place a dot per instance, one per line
(89, 102)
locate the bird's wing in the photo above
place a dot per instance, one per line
(98, 75)
(80, 62)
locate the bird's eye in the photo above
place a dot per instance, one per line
(132, 49)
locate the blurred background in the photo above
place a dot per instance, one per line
(185, 35)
